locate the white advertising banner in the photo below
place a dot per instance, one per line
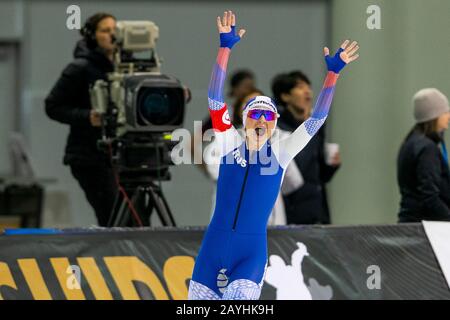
(438, 234)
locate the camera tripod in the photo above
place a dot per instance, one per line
(144, 199)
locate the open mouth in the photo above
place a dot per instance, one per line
(260, 131)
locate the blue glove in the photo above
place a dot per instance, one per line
(229, 39)
(335, 63)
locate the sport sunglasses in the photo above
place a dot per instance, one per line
(256, 114)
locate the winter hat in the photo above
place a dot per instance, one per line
(429, 104)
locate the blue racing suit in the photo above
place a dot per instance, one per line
(233, 256)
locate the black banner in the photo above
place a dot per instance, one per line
(363, 262)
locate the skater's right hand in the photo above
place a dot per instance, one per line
(227, 30)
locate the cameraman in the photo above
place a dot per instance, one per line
(69, 103)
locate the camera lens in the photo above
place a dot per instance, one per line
(157, 107)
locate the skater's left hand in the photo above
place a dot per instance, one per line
(345, 54)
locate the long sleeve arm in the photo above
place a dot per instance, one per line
(293, 144)
(217, 107)
(226, 135)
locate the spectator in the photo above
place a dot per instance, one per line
(422, 168)
(308, 204)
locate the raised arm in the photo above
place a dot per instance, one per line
(225, 133)
(293, 144)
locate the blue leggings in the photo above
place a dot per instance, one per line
(230, 265)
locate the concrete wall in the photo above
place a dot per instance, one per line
(372, 110)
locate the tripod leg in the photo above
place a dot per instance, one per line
(121, 212)
(122, 215)
(115, 211)
(143, 208)
(162, 207)
(166, 206)
(128, 218)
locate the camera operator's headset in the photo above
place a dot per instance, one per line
(88, 33)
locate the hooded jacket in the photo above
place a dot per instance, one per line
(69, 102)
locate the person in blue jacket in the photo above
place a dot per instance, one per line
(232, 259)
